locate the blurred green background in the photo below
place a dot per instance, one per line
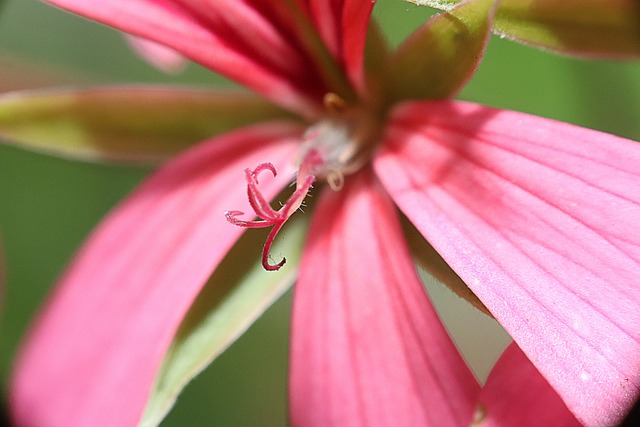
(48, 205)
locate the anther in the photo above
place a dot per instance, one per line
(335, 179)
(333, 102)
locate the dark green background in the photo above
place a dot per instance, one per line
(48, 205)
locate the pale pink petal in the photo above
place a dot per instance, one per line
(343, 27)
(235, 38)
(516, 394)
(163, 58)
(540, 219)
(91, 358)
(367, 347)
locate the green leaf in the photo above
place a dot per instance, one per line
(125, 124)
(437, 60)
(589, 28)
(239, 291)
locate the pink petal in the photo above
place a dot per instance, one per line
(343, 27)
(367, 347)
(160, 56)
(235, 38)
(517, 395)
(93, 354)
(540, 219)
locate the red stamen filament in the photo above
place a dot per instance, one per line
(263, 210)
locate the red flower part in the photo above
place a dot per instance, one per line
(262, 208)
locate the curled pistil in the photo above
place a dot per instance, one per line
(267, 216)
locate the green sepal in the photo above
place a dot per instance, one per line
(375, 57)
(586, 28)
(439, 58)
(125, 124)
(239, 291)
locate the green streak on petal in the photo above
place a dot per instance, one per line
(588, 28)
(239, 291)
(375, 57)
(125, 124)
(324, 61)
(437, 60)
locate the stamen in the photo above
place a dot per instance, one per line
(336, 180)
(334, 102)
(268, 216)
(479, 415)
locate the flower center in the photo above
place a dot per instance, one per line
(344, 140)
(337, 145)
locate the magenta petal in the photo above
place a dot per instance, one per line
(91, 358)
(516, 394)
(231, 37)
(343, 26)
(540, 219)
(367, 347)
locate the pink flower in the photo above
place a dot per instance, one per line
(538, 218)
